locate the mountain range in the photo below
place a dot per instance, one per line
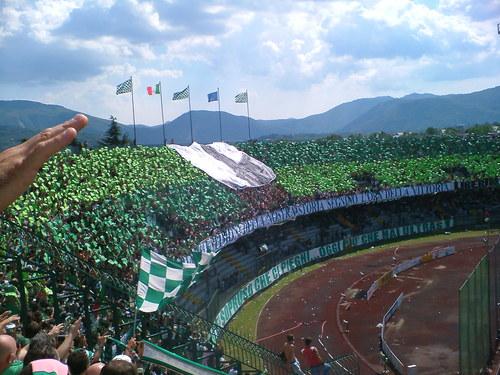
(20, 119)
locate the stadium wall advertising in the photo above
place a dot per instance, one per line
(268, 278)
(230, 235)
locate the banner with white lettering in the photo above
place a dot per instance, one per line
(271, 276)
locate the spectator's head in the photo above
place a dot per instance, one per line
(95, 369)
(41, 347)
(32, 328)
(78, 362)
(290, 338)
(8, 350)
(80, 341)
(307, 341)
(119, 367)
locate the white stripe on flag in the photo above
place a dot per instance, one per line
(157, 283)
(174, 274)
(142, 289)
(149, 307)
(145, 265)
(157, 258)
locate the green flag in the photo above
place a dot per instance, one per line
(181, 94)
(159, 279)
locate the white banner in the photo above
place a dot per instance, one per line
(227, 164)
(232, 234)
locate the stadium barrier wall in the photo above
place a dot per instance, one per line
(269, 277)
(391, 356)
(406, 265)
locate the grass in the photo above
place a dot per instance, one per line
(245, 321)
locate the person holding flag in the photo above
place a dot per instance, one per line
(157, 90)
(212, 97)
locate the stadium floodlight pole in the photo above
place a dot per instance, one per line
(248, 118)
(133, 109)
(220, 121)
(190, 116)
(162, 118)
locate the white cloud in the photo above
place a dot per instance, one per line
(147, 11)
(238, 21)
(47, 15)
(157, 73)
(272, 46)
(11, 19)
(193, 48)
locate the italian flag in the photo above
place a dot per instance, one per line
(157, 89)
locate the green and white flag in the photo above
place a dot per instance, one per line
(241, 97)
(124, 87)
(181, 94)
(159, 279)
(202, 259)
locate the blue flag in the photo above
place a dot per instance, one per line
(213, 96)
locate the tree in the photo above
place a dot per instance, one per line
(431, 131)
(450, 131)
(480, 129)
(113, 136)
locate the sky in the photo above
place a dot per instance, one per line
(295, 58)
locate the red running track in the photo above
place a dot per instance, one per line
(424, 332)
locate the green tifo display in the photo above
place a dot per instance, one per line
(107, 204)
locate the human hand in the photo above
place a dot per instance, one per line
(7, 320)
(101, 340)
(4, 315)
(20, 164)
(74, 330)
(56, 330)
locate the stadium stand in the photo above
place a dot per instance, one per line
(71, 244)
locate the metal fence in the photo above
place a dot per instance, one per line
(386, 349)
(478, 314)
(345, 365)
(31, 258)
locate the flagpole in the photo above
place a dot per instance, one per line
(133, 111)
(135, 321)
(190, 117)
(220, 121)
(162, 119)
(248, 118)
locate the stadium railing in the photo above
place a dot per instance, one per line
(479, 324)
(44, 260)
